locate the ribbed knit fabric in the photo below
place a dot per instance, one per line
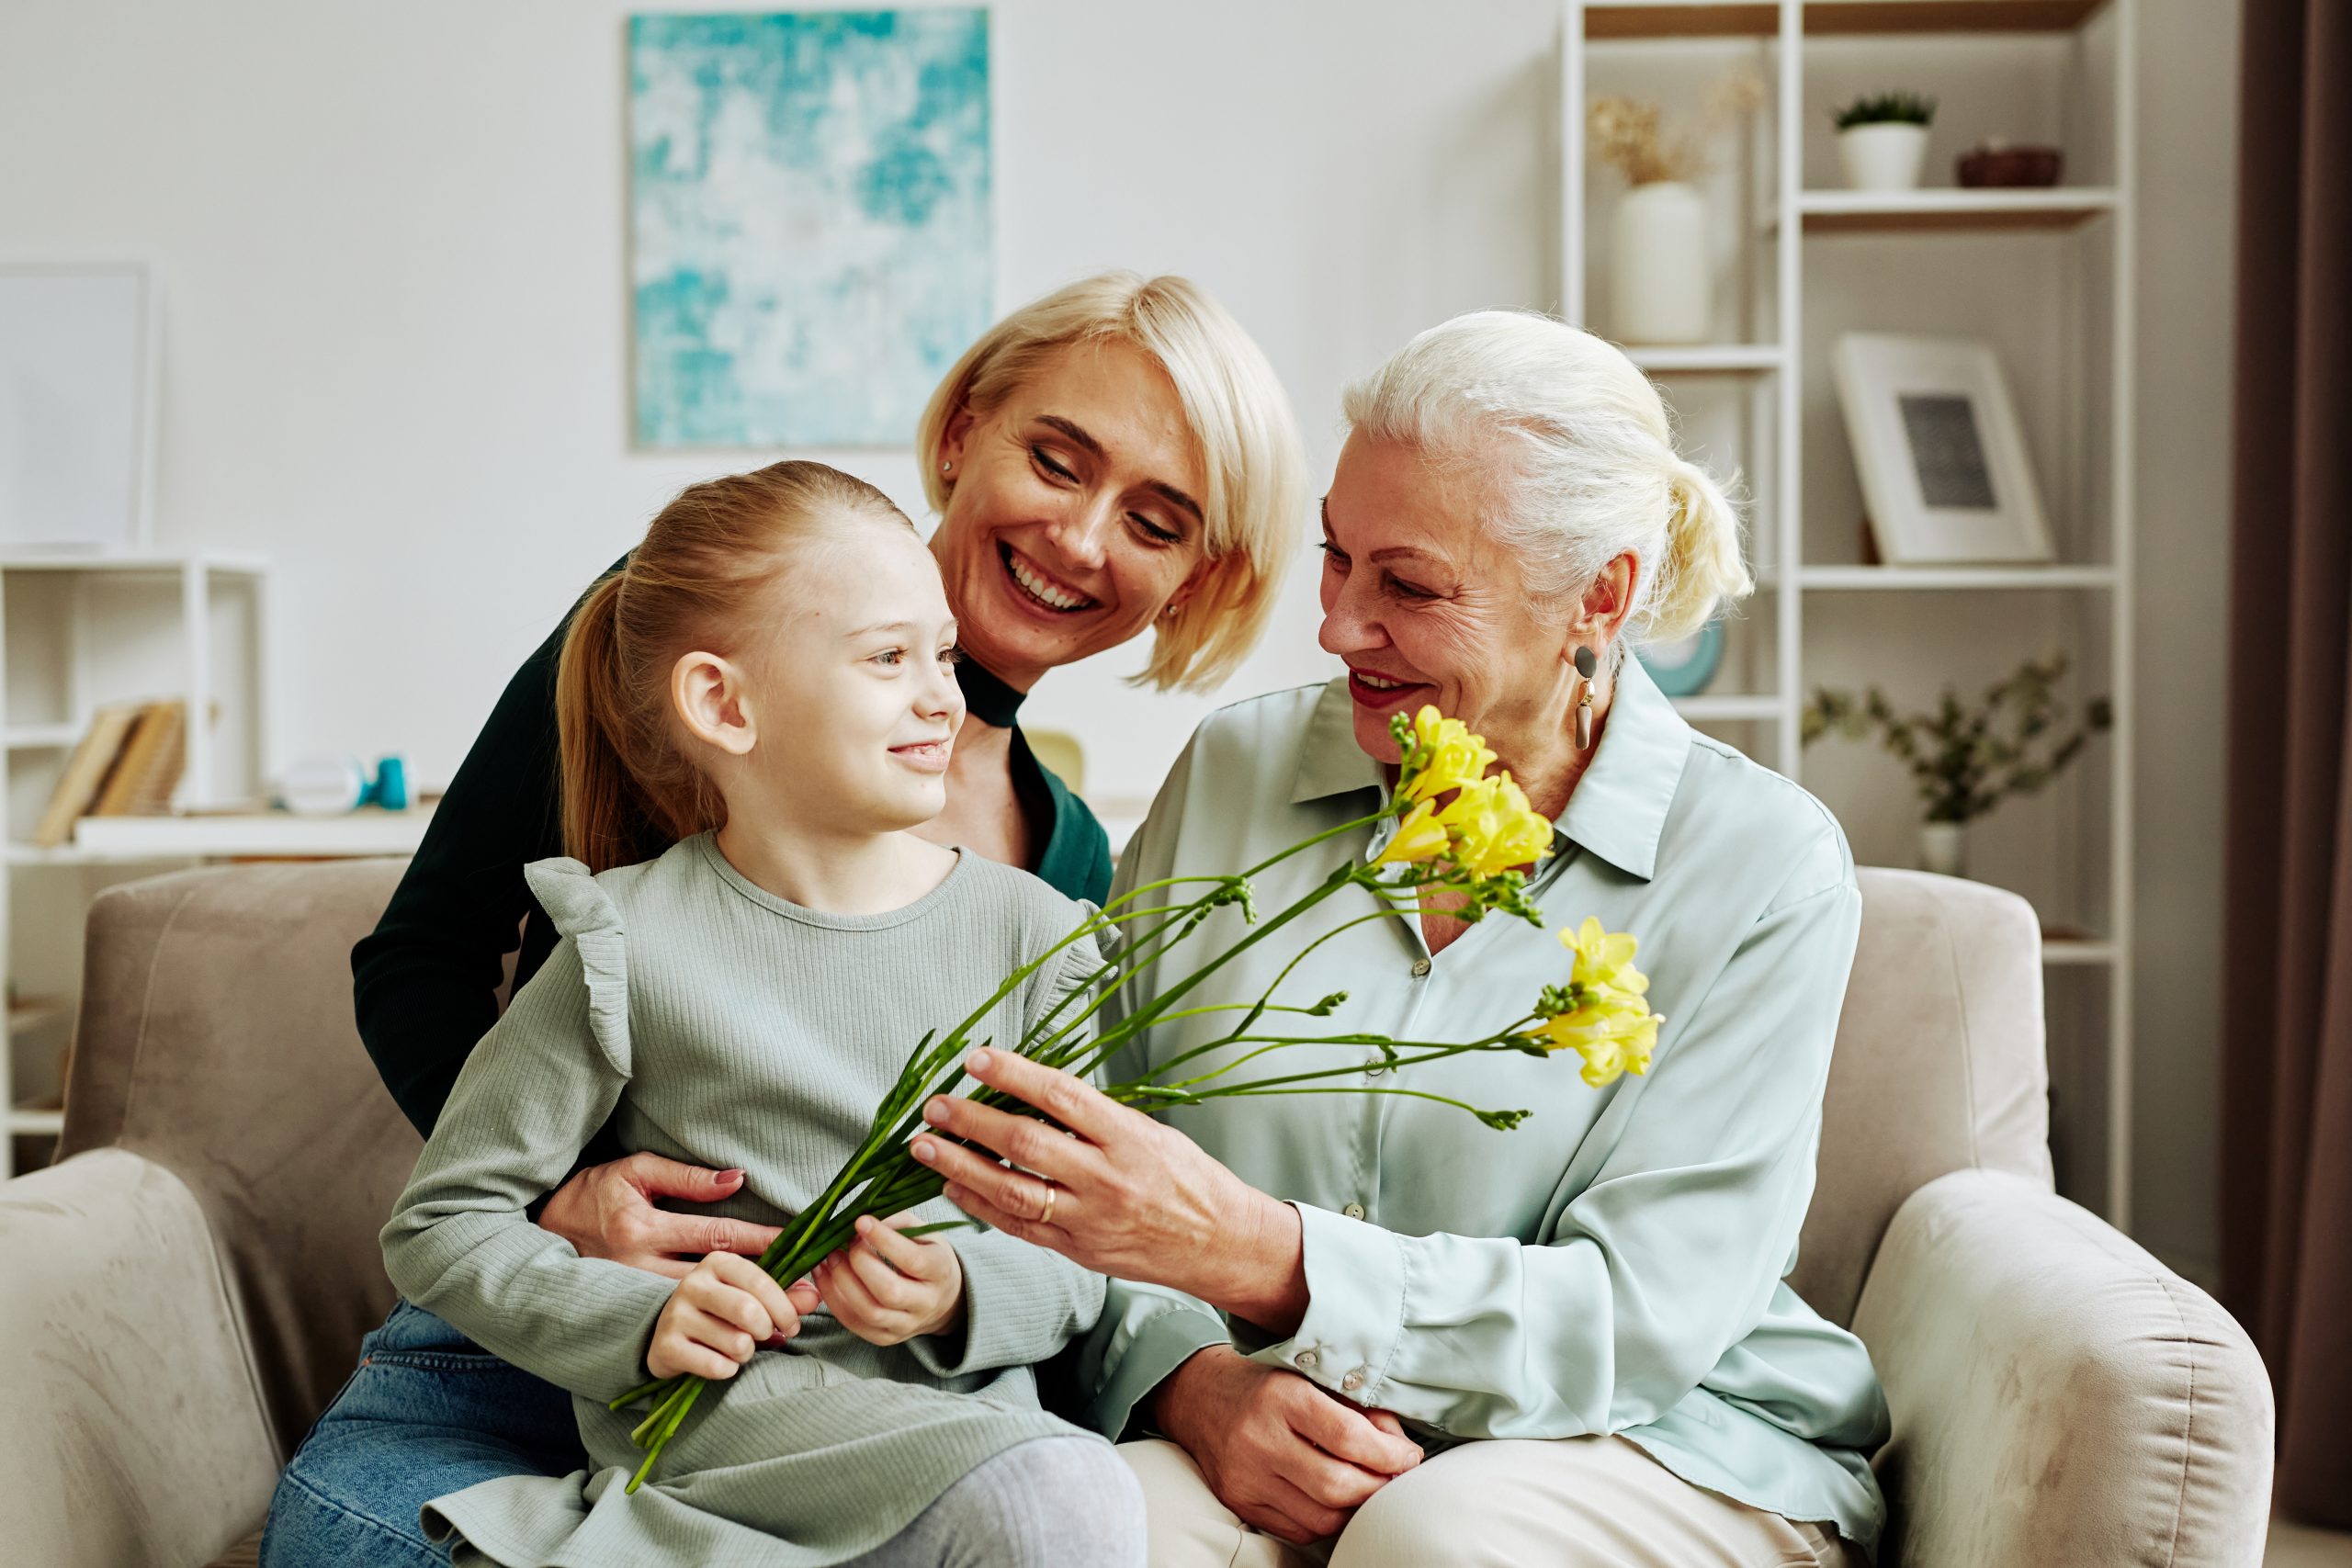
(718, 1024)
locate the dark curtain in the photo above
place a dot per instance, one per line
(2287, 1069)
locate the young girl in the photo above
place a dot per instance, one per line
(769, 684)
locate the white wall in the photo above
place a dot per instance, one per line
(392, 242)
(392, 238)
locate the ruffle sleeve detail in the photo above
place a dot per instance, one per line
(583, 911)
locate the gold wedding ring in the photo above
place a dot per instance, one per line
(1046, 1215)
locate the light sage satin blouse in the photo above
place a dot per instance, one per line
(1615, 1264)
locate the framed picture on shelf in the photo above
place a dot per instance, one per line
(1945, 473)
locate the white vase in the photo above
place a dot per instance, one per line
(1663, 281)
(1883, 157)
(1943, 848)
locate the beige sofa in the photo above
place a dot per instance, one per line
(184, 1292)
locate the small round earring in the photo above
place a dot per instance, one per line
(1585, 667)
(946, 465)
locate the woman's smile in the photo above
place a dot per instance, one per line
(1039, 588)
(1378, 691)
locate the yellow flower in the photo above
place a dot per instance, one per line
(1419, 836)
(1450, 757)
(1604, 959)
(1615, 1034)
(1494, 828)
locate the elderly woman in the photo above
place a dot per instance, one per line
(1367, 1325)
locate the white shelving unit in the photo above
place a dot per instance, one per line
(80, 630)
(1777, 385)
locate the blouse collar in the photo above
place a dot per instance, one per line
(1619, 807)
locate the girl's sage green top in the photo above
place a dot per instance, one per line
(716, 1023)
(1614, 1265)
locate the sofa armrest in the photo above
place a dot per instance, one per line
(2058, 1395)
(135, 1432)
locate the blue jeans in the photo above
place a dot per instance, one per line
(427, 1413)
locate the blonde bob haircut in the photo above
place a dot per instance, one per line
(1256, 501)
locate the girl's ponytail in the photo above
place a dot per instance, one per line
(602, 824)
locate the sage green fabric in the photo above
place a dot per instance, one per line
(721, 1025)
(1616, 1264)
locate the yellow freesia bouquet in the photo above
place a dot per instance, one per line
(1459, 833)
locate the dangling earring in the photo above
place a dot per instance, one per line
(1586, 666)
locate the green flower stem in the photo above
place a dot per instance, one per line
(1263, 1004)
(1435, 1051)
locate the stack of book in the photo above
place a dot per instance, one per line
(127, 764)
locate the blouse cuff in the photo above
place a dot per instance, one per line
(1355, 1308)
(1164, 1342)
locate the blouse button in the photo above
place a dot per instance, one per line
(1353, 1381)
(1354, 1211)
(1307, 1360)
(1421, 968)
(1375, 1065)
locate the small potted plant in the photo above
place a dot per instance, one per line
(1965, 760)
(1882, 138)
(1662, 268)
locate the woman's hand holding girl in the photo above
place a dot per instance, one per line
(612, 1210)
(721, 1313)
(887, 1287)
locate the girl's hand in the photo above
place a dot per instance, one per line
(887, 1287)
(724, 1309)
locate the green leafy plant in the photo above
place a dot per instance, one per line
(1886, 109)
(1965, 760)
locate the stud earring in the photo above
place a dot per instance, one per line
(1585, 667)
(946, 465)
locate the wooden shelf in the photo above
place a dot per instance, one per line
(119, 841)
(1707, 359)
(227, 563)
(2077, 951)
(25, 1119)
(1827, 18)
(1870, 578)
(1944, 208)
(33, 1012)
(43, 737)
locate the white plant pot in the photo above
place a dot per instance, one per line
(1883, 157)
(1663, 282)
(1943, 848)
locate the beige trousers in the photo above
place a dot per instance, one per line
(1568, 1502)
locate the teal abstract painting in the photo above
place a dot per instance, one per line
(809, 221)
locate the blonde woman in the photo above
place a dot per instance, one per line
(1114, 457)
(1383, 1334)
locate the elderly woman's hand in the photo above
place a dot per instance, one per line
(1118, 1192)
(1288, 1458)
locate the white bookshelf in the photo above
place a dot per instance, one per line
(2065, 255)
